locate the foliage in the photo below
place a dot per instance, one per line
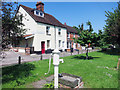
(87, 37)
(11, 24)
(112, 27)
(93, 71)
(101, 40)
(90, 26)
(49, 85)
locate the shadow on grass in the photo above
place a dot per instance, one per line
(84, 57)
(16, 72)
(111, 51)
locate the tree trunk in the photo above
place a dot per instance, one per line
(87, 54)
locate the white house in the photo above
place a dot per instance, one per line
(44, 31)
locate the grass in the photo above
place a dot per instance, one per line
(98, 72)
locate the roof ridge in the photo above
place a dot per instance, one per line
(48, 18)
(71, 29)
(69, 26)
(25, 6)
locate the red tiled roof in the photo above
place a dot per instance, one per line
(71, 29)
(47, 19)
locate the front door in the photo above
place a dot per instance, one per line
(43, 47)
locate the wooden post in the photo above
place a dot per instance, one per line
(118, 64)
(19, 60)
(41, 57)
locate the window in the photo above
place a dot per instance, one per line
(67, 45)
(37, 13)
(74, 35)
(68, 35)
(48, 43)
(59, 32)
(63, 44)
(41, 14)
(48, 30)
(59, 43)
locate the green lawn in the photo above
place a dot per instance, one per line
(98, 72)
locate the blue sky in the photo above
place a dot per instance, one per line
(75, 13)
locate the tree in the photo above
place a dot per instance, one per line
(11, 24)
(86, 38)
(112, 27)
(90, 26)
(101, 40)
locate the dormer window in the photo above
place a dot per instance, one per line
(39, 13)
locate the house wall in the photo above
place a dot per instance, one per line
(29, 22)
(42, 36)
(39, 31)
(73, 45)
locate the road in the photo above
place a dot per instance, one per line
(12, 57)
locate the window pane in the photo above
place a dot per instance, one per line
(59, 43)
(47, 30)
(48, 43)
(37, 12)
(63, 44)
(59, 31)
(41, 14)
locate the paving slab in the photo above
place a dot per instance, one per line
(50, 78)
(39, 84)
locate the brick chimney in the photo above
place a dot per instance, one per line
(65, 23)
(40, 6)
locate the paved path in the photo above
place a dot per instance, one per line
(41, 83)
(12, 57)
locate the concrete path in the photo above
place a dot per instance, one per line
(41, 83)
(12, 57)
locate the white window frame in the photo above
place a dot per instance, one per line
(35, 12)
(59, 31)
(48, 29)
(48, 43)
(63, 43)
(59, 43)
(68, 35)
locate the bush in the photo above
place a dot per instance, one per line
(104, 48)
(49, 85)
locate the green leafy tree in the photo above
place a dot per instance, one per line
(86, 37)
(90, 26)
(112, 27)
(12, 24)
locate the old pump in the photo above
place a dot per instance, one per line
(56, 61)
